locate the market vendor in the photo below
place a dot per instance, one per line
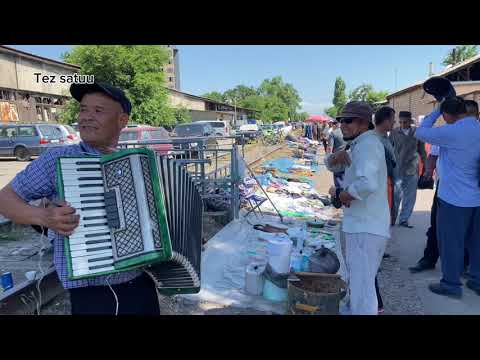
(366, 221)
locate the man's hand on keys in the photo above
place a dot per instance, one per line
(61, 218)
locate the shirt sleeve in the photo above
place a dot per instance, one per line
(38, 179)
(335, 169)
(443, 136)
(367, 160)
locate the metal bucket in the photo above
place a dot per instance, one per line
(315, 294)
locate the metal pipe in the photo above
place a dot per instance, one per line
(261, 187)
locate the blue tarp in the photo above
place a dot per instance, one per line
(284, 164)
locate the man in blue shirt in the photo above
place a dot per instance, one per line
(104, 112)
(431, 255)
(458, 213)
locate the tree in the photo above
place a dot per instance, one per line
(460, 53)
(274, 109)
(339, 95)
(255, 102)
(339, 98)
(300, 116)
(182, 115)
(238, 94)
(137, 69)
(286, 93)
(332, 111)
(215, 96)
(366, 93)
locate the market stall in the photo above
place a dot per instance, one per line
(250, 261)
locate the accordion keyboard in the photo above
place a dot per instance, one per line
(91, 243)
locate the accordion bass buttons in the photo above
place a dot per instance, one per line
(111, 207)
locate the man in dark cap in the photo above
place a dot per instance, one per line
(366, 221)
(104, 112)
(407, 152)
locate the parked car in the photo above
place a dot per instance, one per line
(220, 127)
(71, 136)
(249, 132)
(130, 135)
(26, 140)
(75, 127)
(196, 130)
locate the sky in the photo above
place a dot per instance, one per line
(311, 69)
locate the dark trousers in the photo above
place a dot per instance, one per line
(379, 297)
(431, 253)
(458, 228)
(135, 297)
(337, 178)
(325, 143)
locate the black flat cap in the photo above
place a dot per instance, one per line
(79, 90)
(439, 87)
(405, 114)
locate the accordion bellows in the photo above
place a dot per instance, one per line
(130, 205)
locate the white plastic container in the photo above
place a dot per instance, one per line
(254, 280)
(279, 251)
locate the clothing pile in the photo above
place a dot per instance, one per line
(293, 197)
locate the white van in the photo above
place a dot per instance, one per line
(220, 127)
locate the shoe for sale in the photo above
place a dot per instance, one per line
(439, 289)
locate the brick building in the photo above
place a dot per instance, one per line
(465, 78)
(202, 108)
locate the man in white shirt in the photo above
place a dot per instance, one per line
(366, 221)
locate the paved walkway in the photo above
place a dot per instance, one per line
(409, 246)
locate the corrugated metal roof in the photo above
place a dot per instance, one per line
(461, 93)
(445, 72)
(207, 99)
(36, 57)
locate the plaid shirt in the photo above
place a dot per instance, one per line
(38, 181)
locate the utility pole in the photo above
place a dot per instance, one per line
(235, 110)
(396, 75)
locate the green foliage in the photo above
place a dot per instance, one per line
(339, 95)
(182, 115)
(300, 116)
(274, 109)
(332, 111)
(137, 69)
(285, 92)
(239, 93)
(255, 102)
(69, 112)
(460, 53)
(274, 99)
(366, 93)
(215, 96)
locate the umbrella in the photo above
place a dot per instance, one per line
(318, 118)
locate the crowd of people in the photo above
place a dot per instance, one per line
(376, 172)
